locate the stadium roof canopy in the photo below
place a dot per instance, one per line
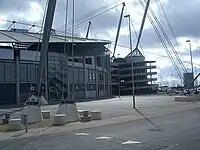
(30, 37)
(24, 40)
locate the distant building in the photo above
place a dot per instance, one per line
(121, 75)
(187, 80)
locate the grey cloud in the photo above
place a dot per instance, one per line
(195, 53)
(181, 13)
(84, 9)
(183, 16)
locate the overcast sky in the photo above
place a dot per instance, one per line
(183, 16)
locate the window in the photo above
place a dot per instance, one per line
(9, 71)
(88, 61)
(76, 74)
(90, 75)
(98, 61)
(100, 76)
(29, 55)
(31, 73)
(81, 79)
(78, 59)
(23, 72)
(2, 71)
(94, 76)
(6, 53)
(75, 59)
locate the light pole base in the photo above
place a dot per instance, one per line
(33, 112)
(70, 110)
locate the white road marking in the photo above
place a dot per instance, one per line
(81, 134)
(131, 142)
(102, 138)
(172, 121)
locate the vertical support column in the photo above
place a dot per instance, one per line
(17, 72)
(133, 85)
(150, 74)
(84, 78)
(96, 75)
(17, 81)
(73, 23)
(104, 81)
(67, 78)
(45, 41)
(119, 82)
(46, 78)
(111, 94)
(109, 78)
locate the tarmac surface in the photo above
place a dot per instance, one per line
(123, 106)
(178, 131)
(115, 107)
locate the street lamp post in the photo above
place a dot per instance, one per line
(133, 86)
(191, 59)
(130, 38)
(119, 81)
(73, 24)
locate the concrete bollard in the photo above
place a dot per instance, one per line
(80, 112)
(6, 118)
(70, 110)
(15, 125)
(1, 120)
(46, 114)
(86, 116)
(96, 115)
(59, 119)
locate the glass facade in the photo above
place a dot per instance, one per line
(2, 74)
(9, 72)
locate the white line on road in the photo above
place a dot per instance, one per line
(131, 142)
(81, 134)
(103, 138)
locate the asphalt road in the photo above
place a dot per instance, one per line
(179, 131)
(115, 107)
(119, 107)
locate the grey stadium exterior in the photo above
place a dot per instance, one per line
(19, 62)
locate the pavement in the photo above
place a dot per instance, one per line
(116, 107)
(175, 129)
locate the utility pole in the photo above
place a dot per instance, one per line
(130, 36)
(119, 82)
(131, 48)
(191, 59)
(118, 30)
(45, 43)
(133, 86)
(73, 24)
